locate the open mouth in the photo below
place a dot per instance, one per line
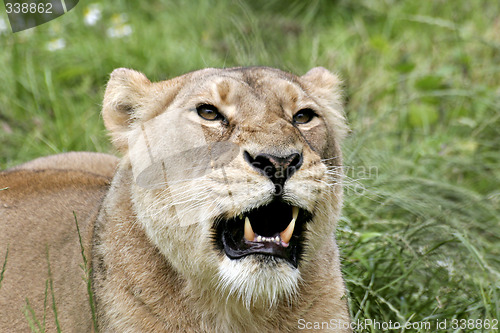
(275, 229)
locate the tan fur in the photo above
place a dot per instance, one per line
(155, 266)
(36, 219)
(97, 163)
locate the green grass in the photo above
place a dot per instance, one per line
(4, 266)
(420, 230)
(30, 314)
(87, 274)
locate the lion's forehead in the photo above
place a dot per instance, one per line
(257, 89)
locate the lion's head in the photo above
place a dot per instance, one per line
(236, 172)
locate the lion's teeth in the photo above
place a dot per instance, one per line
(286, 234)
(249, 234)
(276, 239)
(295, 212)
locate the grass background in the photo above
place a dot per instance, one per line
(420, 231)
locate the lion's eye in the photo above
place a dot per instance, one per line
(209, 112)
(304, 116)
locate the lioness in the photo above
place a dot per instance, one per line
(220, 216)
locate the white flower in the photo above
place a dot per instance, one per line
(3, 25)
(119, 31)
(56, 44)
(119, 28)
(92, 14)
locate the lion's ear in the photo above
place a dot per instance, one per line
(326, 87)
(126, 93)
(323, 84)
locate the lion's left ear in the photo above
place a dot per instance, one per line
(323, 84)
(326, 87)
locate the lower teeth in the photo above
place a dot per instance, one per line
(261, 239)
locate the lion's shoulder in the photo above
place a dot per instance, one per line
(96, 163)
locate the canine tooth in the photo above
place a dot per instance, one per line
(259, 238)
(249, 234)
(277, 239)
(286, 234)
(295, 212)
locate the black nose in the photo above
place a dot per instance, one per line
(277, 169)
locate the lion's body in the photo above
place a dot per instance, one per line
(37, 224)
(159, 260)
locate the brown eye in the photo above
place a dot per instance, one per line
(304, 116)
(209, 112)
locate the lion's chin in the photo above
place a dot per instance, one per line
(258, 280)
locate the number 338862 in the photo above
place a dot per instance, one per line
(32, 8)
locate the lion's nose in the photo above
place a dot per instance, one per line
(277, 169)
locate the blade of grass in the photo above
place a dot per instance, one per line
(30, 316)
(4, 266)
(87, 275)
(51, 285)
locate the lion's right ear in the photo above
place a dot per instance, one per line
(125, 96)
